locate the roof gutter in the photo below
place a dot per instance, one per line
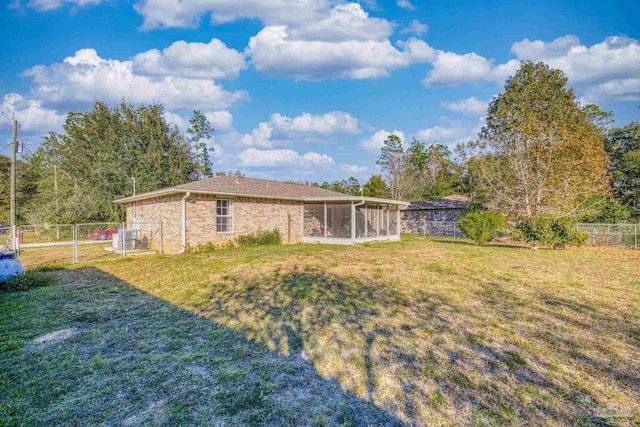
(184, 222)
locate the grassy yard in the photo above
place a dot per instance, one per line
(422, 332)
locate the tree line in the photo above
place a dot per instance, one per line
(75, 175)
(539, 153)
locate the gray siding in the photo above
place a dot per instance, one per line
(413, 221)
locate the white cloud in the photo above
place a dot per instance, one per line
(34, 119)
(416, 27)
(221, 121)
(280, 130)
(345, 22)
(175, 119)
(469, 106)
(450, 69)
(606, 71)
(449, 135)
(538, 50)
(619, 90)
(252, 157)
(213, 60)
(178, 13)
(353, 168)
(86, 76)
(406, 4)
(376, 141)
(274, 52)
(335, 122)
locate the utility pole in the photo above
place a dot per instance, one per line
(12, 213)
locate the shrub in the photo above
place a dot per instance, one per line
(482, 226)
(260, 238)
(544, 230)
(29, 280)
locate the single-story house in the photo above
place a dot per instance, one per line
(224, 207)
(436, 216)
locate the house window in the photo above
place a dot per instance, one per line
(224, 216)
(437, 216)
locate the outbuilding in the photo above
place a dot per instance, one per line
(435, 217)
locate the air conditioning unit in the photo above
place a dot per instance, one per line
(125, 240)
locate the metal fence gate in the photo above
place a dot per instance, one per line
(623, 235)
(40, 245)
(45, 244)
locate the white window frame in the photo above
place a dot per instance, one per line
(437, 215)
(229, 215)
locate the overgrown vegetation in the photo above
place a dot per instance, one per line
(422, 332)
(259, 238)
(546, 230)
(28, 280)
(482, 226)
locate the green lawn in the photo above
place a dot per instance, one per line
(423, 332)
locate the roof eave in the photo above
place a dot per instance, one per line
(356, 199)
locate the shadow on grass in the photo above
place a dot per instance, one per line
(128, 358)
(491, 244)
(425, 357)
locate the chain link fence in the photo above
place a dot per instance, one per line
(45, 244)
(442, 228)
(621, 235)
(66, 243)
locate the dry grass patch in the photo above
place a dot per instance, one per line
(433, 332)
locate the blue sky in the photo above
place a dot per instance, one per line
(308, 89)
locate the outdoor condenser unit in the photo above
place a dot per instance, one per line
(125, 240)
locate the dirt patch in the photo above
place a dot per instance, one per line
(55, 337)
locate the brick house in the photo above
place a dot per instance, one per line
(436, 217)
(221, 208)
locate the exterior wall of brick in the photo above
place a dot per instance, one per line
(167, 209)
(249, 216)
(413, 221)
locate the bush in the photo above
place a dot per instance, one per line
(260, 238)
(482, 226)
(29, 280)
(544, 230)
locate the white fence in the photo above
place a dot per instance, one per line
(622, 235)
(40, 245)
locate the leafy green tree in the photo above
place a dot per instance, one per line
(438, 175)
(397, 169)
(235, 172)
(538, 152)
(600, 118)
(88, 165)
(544, 230)
(200, 130)
(376, 187)
(482, 226)
(25, 190)
(623, 146)
(353, 186)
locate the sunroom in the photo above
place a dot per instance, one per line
(350, 220)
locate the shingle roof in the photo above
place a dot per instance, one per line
(256, 187)
(456, 201)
